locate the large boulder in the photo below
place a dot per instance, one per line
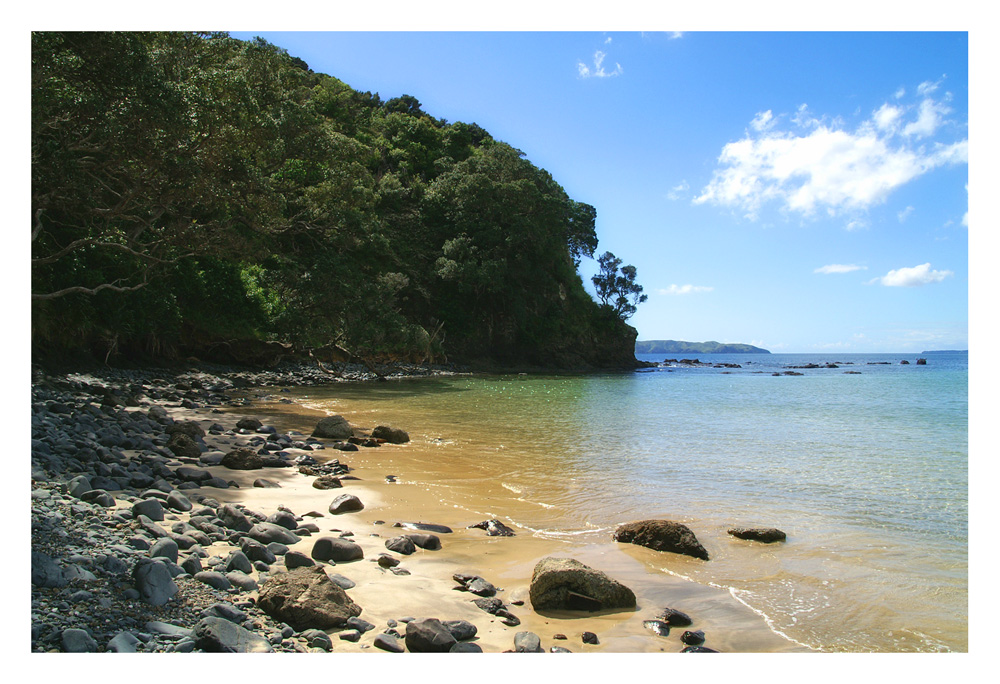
(306, 598)
(333, 427)
(567, 584)
(661, 535)
(390, 434)
(242, 459)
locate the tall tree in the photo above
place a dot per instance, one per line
(616, 286)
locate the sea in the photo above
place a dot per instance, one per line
(861, 459)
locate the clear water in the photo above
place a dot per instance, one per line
(866, 472)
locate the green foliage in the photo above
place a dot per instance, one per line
(616, 286)
(191, 187)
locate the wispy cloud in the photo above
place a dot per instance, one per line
(684, 289)
(840, 268)
(674, 35)
(912, 277)
(678, 191)
(806, 163)
(904, 214)
(598, 71)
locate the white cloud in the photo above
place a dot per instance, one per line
(684, 289)
(905, 214)
(676, 34)
(598, 70)
(678, 190)
(820, 164)
(912, 277)
(965, 219)
(763, 121)
(856, 224)
(899, 93)
(840, 268)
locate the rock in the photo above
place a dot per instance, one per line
(693, 638)
(285, 519)
(428, 635)
(266, 484)
(183, 446)
(674, 618)
(234, 518)
(238, 560)
(921, 362)
(661, 535)
(255, 551)
(462, 630)
(99, 497)
(430, 542)
(249, 424)
(387, 642)
(77, 641)
(401, 544)
(527, 642)
(164, 548)
(590, 638)
(45, 572)
(494, 528)
(559, 649)
(390, 434)
(123, 642)
(387, 561)
(327, 482)
(697, 649)
(346, 503)
(266, 533)
(335, 549)
(554, 578)
(218, 635)
(297, 559)
(768, 535)
(317, 638)
(350, 635)
(306, 598)
(426, 527)
(461, 647)
(214, 579)
(190, 428)
(242, 459)
(178, 502)
(154, 582)
(333, 427)
(657, 627)
(151, 508)
(226, 612)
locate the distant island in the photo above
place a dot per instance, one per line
(933, 351)
(678, 347)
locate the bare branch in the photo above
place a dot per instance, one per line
(76, 244)
(86, 290)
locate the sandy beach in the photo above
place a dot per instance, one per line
(507, 562)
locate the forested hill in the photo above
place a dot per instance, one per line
(678, 347)
(193, 194)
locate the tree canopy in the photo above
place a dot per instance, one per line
(189, 190)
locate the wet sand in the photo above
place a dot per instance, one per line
(506, 562)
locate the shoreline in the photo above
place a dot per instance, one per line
(429, 590)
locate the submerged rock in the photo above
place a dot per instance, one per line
(662, 535)
(391, 434)
(768, 535)
(494, 528)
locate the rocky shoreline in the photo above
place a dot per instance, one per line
(155, 528)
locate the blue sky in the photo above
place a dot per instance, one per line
(798, 191)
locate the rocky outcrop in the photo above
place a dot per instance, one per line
(661, 535)
(567, 584)
(242, 459)
(306, 598)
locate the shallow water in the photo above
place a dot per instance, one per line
(866, 473)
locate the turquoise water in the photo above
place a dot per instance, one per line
(866, 472)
